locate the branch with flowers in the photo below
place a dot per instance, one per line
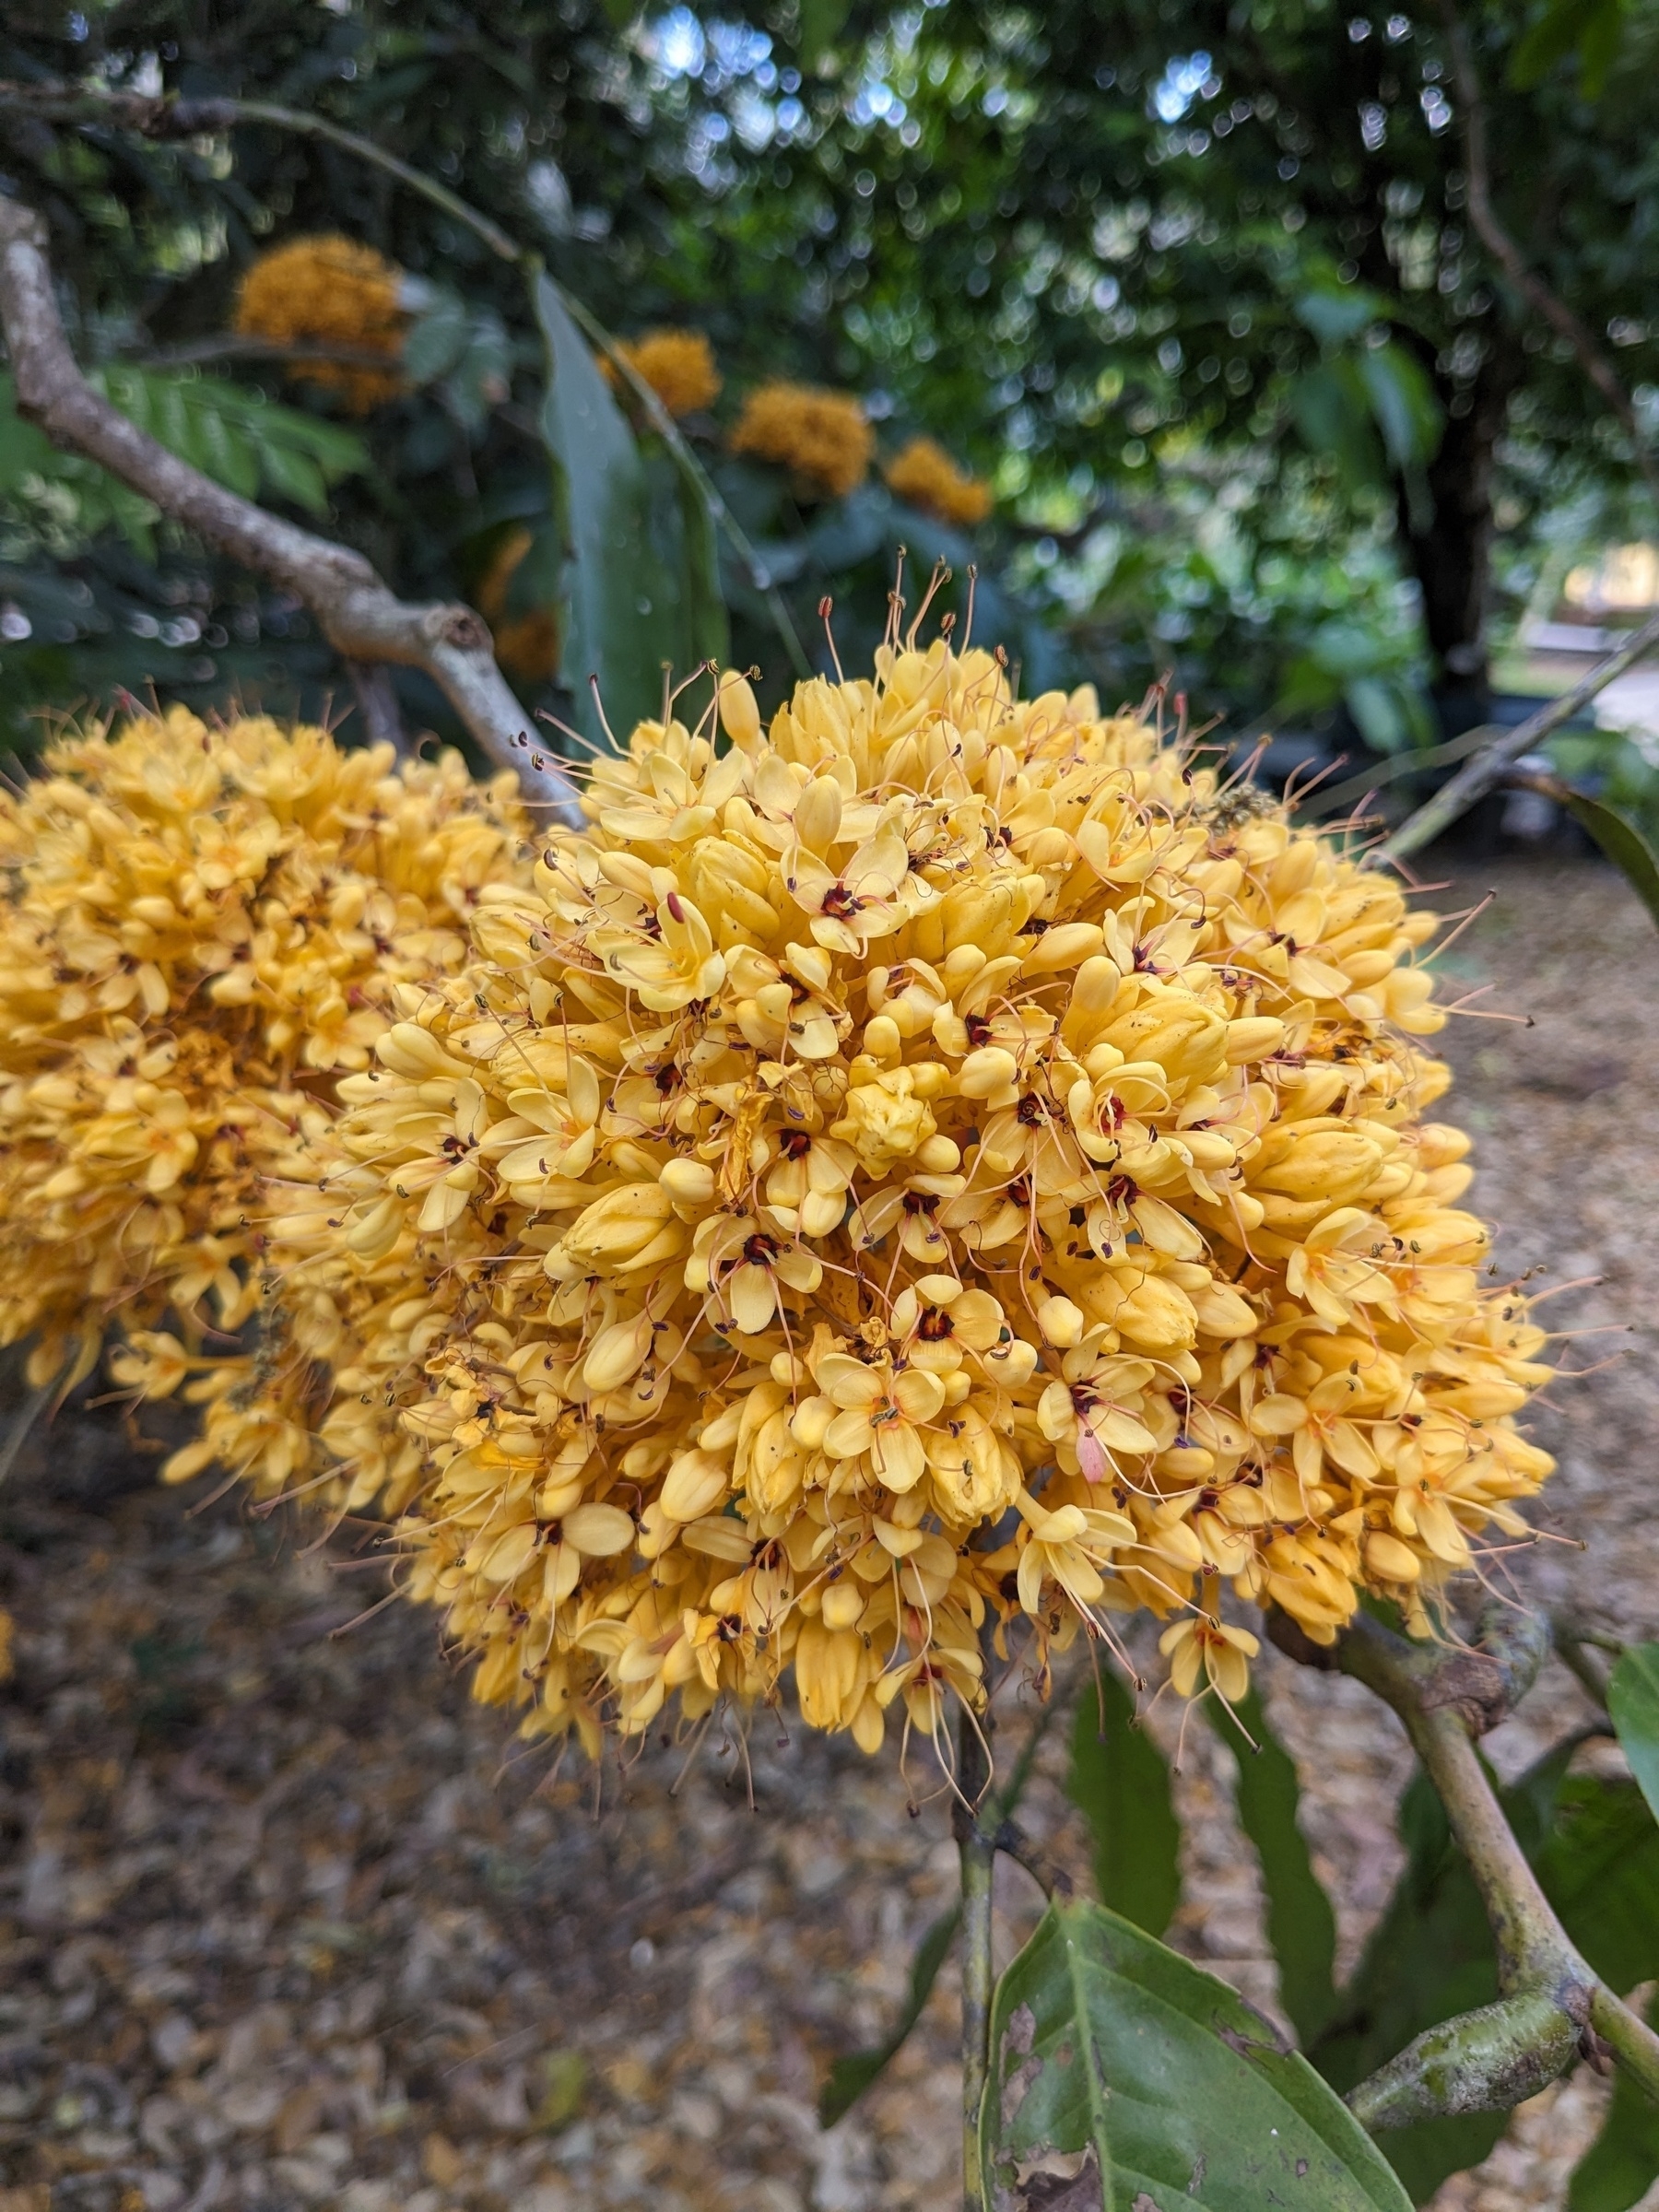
(870, 1204)
(895, 1194)
(362, 618)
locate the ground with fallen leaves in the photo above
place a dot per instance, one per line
(286, 1921)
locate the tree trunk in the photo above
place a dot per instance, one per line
(1451, 556)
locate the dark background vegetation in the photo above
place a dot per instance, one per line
(1193, 285)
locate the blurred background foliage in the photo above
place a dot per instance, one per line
(1190, 289)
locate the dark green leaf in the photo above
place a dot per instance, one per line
(1599, 1867)
(1402, 403)
(1336, 313)
(1622, 2164)
(435, 341)
(1622, 842)
(1633, 1700)
(1114, 2059)
(1594, 31)
(1120, 1782)
(821, 24)
(297, 476)
(1597, 1850)
(1333, 416)
(852, 2076)
(1301, 1924)
(632, 599)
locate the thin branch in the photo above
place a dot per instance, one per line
(977, 1850)
(174, 119)
(1552, 2008)
(1506, 252)
(1486, 770)
(232, 348)
(360, 617)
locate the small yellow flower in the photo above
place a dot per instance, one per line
(329, 292)
(924, 474)
(678, 365)
(824, 437)
(1220, 1652)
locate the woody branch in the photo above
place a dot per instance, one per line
(1551, 2008)
(362, 618)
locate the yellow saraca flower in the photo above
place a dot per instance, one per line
(329, 292)
(201, 932)
(917, 1179)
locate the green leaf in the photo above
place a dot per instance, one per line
(852, 2076)
(1599, 1867)
(227, 453)
(1301, 1927)
(1599, 43)
(633, 601)
(1593, 31)
(1337, 313)
(823, 22)
(1119, 1782)
(1333, 415)
(1622, 2164)
(1628, 850)
(1596, 1851)
(296, 475)
(436, 340)
(1122, 2068)
(1403, 405)
(1634, 1701)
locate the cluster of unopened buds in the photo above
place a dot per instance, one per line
(942, 1169)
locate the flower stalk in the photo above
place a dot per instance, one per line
(1552, 2008)
(977, 1847)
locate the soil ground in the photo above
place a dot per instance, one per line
(287, 1922)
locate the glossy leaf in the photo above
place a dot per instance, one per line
(1301, 1927)
(1634, 1701)
(852, 2076)
(636, 591)
(1119, 2068)
(1119, 1782)
(1622, 842)
(1622, 2164)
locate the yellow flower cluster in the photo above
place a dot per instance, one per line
(941, 1163)
(329, 292)
(924, 474)
(678, 365)
(200, 930)
(824, 437)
